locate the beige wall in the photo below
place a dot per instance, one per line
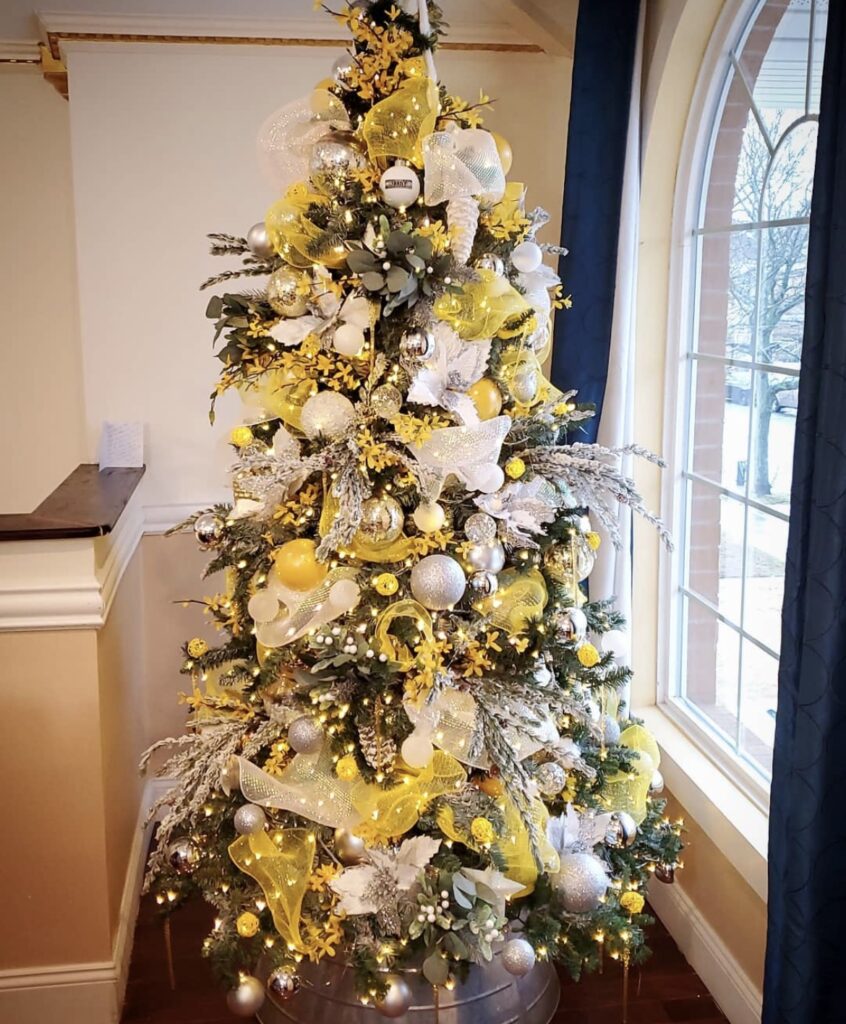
(41, 379)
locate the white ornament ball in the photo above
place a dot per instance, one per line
(578, 622)
(417, 750)
(657, 784)
(610, 730)
(616, 643)
(581, 882)
(263, 606)
(429, 516)
(518, 957)
(490, 478)
(327, 413)
(344, 594)
(438, 582)
(400, 186)
(246, 999)
(397, 998)
(305, 735)
(526, 257)
(348, 339)
(249, 819)
(258, 241)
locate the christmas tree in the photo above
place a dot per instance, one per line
(410, 751)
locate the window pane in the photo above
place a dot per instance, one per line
(774, 422)
(711, 669)
(758, 705)
(720, 434)
(781, 77)
(791, 173)
(766, 544)
(781, 316)
(715, 549)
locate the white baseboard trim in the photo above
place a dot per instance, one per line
(88, 993)
(733, 990)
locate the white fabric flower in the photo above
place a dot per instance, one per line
(402, 866)
(444, 379)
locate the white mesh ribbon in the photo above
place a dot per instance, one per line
(461, 163)
(305, 610)
(471, 453)
(308, 786)
(285, 139)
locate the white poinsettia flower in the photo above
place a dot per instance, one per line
(524, 506)
(493, 886)
(444, 379)
(402, 865)
(355, 310)
(572, 832)
(294, 330)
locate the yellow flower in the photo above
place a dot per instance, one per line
(563, 409)
(482, 831)
(491, 639)
(515, 468)
(588, 655)
(386, 584)
(633, 902)
(247, 925)
(519, 643)
(593, 540)
(322, 876)
(197, 647)
(241, 436)
(347, 768)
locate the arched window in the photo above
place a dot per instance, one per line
(741, 359)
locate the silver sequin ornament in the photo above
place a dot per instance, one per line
(483, 584)
(382, 520)
(285, 292)
(581, 882)
(208, 529)
(397, 999)
(333, 160)
(490, 261)
(480, 528)
(623, 829)
(283, 983)
(518, 957)
(258, 241)
(350, 848)
(485, 557)
(438, 582)
(246, 999)
(305, 735)
(386, 401)
(183, 856)
(551, 779)
(249, 819)
(418, 345)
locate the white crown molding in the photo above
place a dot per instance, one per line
(17, 51)
(732, 988)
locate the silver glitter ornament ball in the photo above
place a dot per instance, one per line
(480, 528)
(518, 957)
(610, 731)
(333, 160)
(418, 345)
(258, 241)
(283, 983)
(305, 735)
(488, 556)
(438, 582)
(382, 520)
(581, 882)
(183, 856)
(397, 1000)
(490, 261)
(483, 583)
(249, 819)
(208, 529)
(551, 778)
(284, 292)
(386, 401)
(246, 999)
(350, 849)
(624, 828)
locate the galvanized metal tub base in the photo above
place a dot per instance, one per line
(490, 995)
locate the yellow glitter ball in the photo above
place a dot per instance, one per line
(386, 584)
(482, 831)
(247, 925)
(241, 436)
(346, 768)
(632, 902)
(197, 647)
(515, 468)
(563, 409)
(593, 540)
(588, 655)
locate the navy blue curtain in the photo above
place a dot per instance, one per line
(805, 980)
(603, 64)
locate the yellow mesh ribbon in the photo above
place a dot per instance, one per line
(627, 791)
(393, 811)
(521, 597)
(482, 309)
(512, 846)
(278, 392)
(298, 240)
(394, 551)
(397, 125)
(394, 648)
(280, 861)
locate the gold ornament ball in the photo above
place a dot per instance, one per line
(297, 567)
(503, 147)
(492, 786)
(247, 925)
(241, 436)
(246, 999)
(515, 468)
(347, 768)
(397, 997)
(386, 584)
(382, 520)
(487, 398)
(386, 401)
(349, 848)
(285, 292)
(197, 647)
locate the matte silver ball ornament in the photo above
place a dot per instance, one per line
(490, 261)
(333, 160)
(483, 584)
(283, 983)
(418, 345)
(397, 999)
(438, 582)
(183, 856)
(208, 529)
(249, 819)
(581, 882)
(551, 778)
(351, 849)
(259, 242)
(382, 520)
(623, 828)
(246, 999)
(488, 556)
(285, 292)
(305, 735)
(518, 957)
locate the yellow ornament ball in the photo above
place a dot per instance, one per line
(491, 786)
(588, 655)
(593, 540)
(515, 468)
(241, 436)
(487, 398)
(506, 155)
(482, 831)
(347, 769)
(197, 647)
(297, 567)
(386, 584)
(633, 902)
(247, 925)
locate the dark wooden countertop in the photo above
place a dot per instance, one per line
(87, 503)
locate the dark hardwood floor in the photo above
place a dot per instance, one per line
(665, 990)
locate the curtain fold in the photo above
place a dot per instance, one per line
(805, 981)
